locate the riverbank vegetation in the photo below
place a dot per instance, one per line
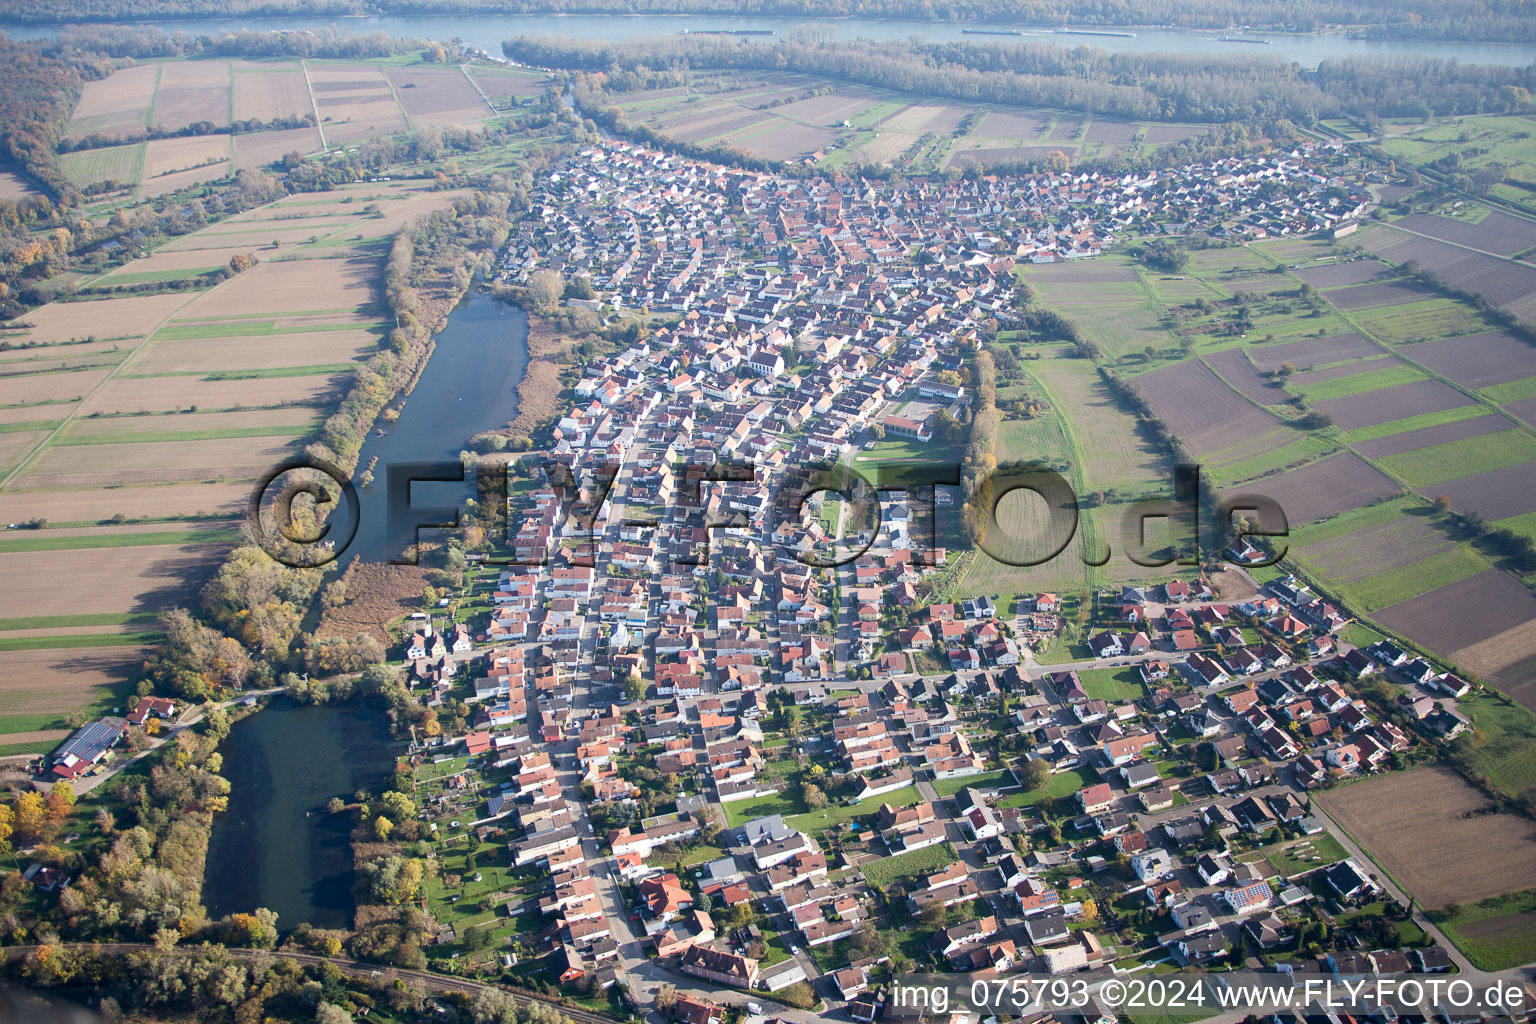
(1140, 86)
(1377, 19)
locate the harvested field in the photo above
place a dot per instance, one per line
(262, 148)
(1234, 366)
(49, 387)
(258, 353)
(137, 462)
(1368, 365)
(1464, 613)
(1199, 408)
(1478, 360)
(790, 142)
(1497, 232)
(1415, 823)
(1496, 494)
(504, 86)
(274, 286)
(1008, 124)
(1331, 348)
(438, 96)
(1117, 133)
(80, 581)
(1080, 272)
(1425, 437)
(724, 123)
(267, 95)
(1066, 129)
(1160, 133)
(193, 91)
(1394, 403)
(173, 394)
(179, 425)
(376, 596)
(170, 164)
(1381, 293)
(59, 680)
(15, 444)
(355, 103)
(826, 111)
(1006, 155)
(131, 316)
(1327, 487)
(1335, 275)
(14, 187)
(1508, 658)
(116, 104)
(94, 504)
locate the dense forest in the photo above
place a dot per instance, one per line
(1132, 85)
(1491, 19)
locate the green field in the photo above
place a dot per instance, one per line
(42, 643)
(1305, 854)
(1113, 684)
(1058, 786)
(1356, 383)
(1429, 419)
(817, 821)
(786, 802)
(1513, 391)
(123, 164)
(890, 870)
(1457, 459)
(118, 540)
(1496, 934)
(946, 788)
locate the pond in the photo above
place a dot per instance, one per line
(277, 846)
(469, 385)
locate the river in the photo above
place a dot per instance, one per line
(469, 385)
(283, 763)
(487, 31)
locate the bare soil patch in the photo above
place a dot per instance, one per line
(1237, 370)
(1335, 275)
(262, 148)
(1496, 494)
(1415, 824)
(1425, 437)
(1394, 403)
(233, 458)
(116, 104)
(61, 505)
(49, 387)
(1463, 613)
(1477, 360)
(265, 95)
(1326, 487)
(59, 680)
(172, 394)
(265, 352)
(1498, 232)
(438, 95)
(149, 578)
(1332, 348)
(128, 317)
(193, 91)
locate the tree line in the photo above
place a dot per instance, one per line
(1140, 86)
(1380, 19)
